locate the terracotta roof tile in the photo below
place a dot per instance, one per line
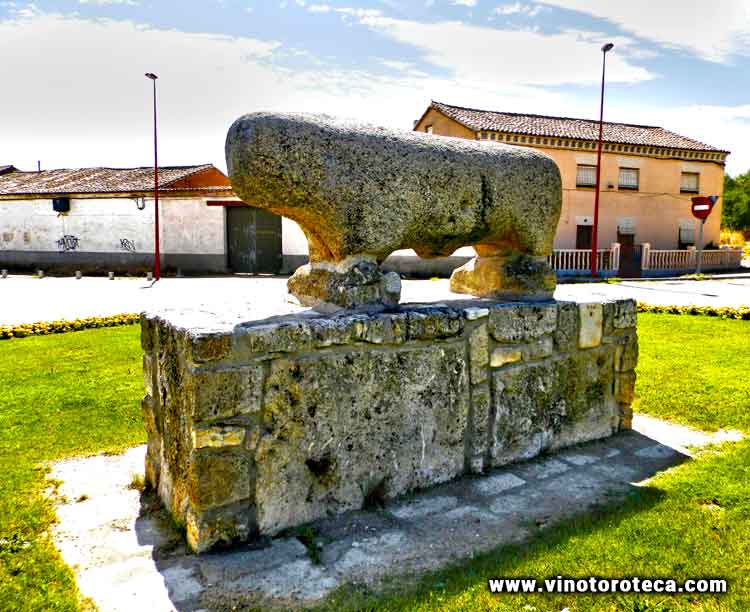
(95, 180)
(567, 127)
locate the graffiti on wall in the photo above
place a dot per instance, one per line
(127, 245)
(68, 243)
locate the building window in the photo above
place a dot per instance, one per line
(428, 129)
(628, 178)
(586, 176)
(689, 182)
(685, 237)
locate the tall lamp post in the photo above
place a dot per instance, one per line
(595, 231)
(157, 254)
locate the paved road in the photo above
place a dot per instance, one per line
(26, 300)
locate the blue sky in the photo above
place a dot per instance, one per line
(75, 95)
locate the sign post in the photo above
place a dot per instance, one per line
(702, 207)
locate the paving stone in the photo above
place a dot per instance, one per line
(464, 513)
(492, 485)
(182, 583)
(112, 538)
(542, 469)
(371, 553)
(421, 507)
(296, 580)
(579, 459)
(657, 451)
(511, 504)
(234, 564)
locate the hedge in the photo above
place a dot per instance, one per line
(62, 326)
(724, 312)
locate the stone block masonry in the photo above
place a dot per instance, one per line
(258, 427)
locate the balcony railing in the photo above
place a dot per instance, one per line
(687, 260)
(578, 261)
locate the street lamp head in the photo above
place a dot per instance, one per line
(607, 47)
(151, 75)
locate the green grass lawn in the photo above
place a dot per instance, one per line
(60, 395)
(79, 393)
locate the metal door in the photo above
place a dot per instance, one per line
(241, 238)
(253, 240)
(267, 242)
(630, 256)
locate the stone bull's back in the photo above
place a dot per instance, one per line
(361, 192)
(384, 190)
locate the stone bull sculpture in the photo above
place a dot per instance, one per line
(361, 192)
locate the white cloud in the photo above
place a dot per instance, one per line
(110, 2)
(725, 127)
(503, 57)
(463, 2)
(88, 103)
(319, 8)
(713, 31)
(518, 9)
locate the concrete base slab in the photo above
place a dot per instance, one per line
(127, 556)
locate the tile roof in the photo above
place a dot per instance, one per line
(96, 180)
(567, 127)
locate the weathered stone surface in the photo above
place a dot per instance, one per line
(359, 191)
(538, 349)
(218, 437)
(210, 347)
(222, 525)
(307, 416)
(516, 277)
(356, 282)
(626, 353)
(505, 354)
(479, 356)
(432, 323)
(219, 477)
(625, 387)
(479, 427)
(566, 334)
(523, 322)
(535, 402)
(225, 393)
(591, 320)
(348, 426)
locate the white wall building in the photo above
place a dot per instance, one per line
(100, 219)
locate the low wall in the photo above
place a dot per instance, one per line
(257, 427)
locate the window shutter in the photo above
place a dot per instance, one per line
(689, 182)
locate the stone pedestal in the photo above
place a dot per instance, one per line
(257, 427)
(355, 283)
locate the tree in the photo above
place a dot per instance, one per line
(735, 210)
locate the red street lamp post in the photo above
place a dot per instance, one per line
(595, 231)
(157, 254)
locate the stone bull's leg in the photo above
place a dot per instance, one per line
(516, 276)
(356, 282)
